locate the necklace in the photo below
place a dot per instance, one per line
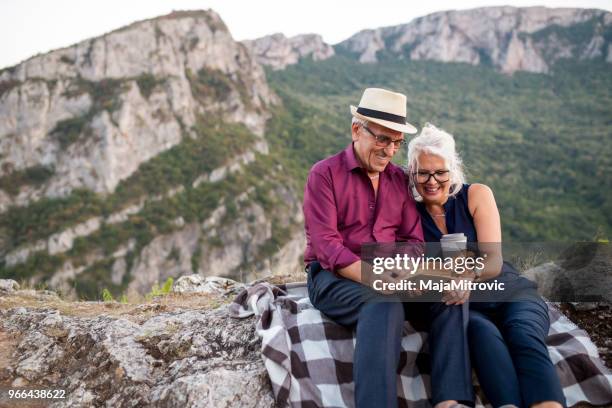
(374, 177)
(436, 215)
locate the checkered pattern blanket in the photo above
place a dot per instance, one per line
(309, 357)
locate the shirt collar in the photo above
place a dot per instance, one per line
(351, 162)
(349, 158)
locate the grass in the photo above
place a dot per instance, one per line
(137, 310)
(506, 128)
(134, 307)
(147, 83)
(164, 290)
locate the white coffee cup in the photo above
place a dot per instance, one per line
(453, 244)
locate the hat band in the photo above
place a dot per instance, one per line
(381, 115)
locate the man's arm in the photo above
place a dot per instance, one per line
(352, 272)
(321, 221)
(410, 229)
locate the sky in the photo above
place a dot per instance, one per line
(29, 27)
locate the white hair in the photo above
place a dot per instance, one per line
(358, 121)
(435, 141)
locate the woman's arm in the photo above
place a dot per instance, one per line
(483, 208)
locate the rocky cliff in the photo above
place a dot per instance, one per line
(508, 38)
(278, 51)
(92, 113)
(139, 155)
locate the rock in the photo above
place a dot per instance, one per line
(8, 285)
(284, 261)
(278, 51)
(544, 276)
(53, 326)
(200, 284)
(174, 356)
(367, 43)
(20, 310)
(582, 274)
(584, 306)
(217, 388)
(19, 382)
(62, 242)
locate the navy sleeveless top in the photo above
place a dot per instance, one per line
(458, 219)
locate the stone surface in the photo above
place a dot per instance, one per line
(8, 285)
(181, 350)
(143, 356)
(201, 284)
(582, 273)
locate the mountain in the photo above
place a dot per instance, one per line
(508, 38)
(278, 51)
(136, 156)
(98, 109)
(166, 148)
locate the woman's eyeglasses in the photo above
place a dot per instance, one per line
(441, 176)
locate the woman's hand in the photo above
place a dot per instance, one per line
(457, 297)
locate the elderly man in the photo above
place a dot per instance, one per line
(358, 196)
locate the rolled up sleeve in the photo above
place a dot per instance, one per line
(321, 222)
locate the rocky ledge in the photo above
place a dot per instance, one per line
(176, 350)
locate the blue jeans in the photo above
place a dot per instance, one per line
(378, 338)
(509, 354)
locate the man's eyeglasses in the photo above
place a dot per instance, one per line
(384, 141)
(441, 176)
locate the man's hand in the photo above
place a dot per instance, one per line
(389, 277)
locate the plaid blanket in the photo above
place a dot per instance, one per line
(309, 357)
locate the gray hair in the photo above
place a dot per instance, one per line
(435, 141)
(359, 122)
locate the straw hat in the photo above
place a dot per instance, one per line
(385, 108)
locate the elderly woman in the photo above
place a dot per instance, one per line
(506, 338)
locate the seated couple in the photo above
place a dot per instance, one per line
(358, 196)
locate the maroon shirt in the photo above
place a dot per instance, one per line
(341, 211)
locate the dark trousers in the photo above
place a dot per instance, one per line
(378, 339)
(509, 354)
